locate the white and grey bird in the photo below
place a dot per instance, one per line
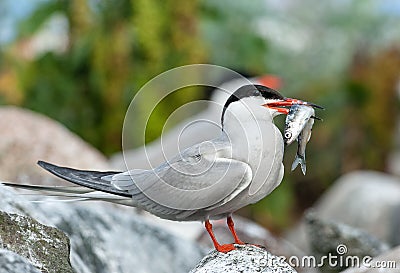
(209, 180)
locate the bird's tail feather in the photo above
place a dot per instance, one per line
(68, 194)
(59, 189)
(91, 186)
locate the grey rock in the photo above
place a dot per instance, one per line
(388, 262)
(27, 136)
(246, 258)
(329, 238)
(108, 238)
(47, 248)
(298, 237)
(11, 262)
(366, 200)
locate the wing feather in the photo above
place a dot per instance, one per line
(198, 178)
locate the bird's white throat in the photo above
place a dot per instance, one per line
(245, 123)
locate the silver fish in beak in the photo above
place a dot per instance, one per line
(296, 120)
(298, 125)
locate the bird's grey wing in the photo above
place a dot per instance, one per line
(198, 178)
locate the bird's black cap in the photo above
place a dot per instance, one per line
(251, 90)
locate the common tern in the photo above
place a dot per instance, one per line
(209, 180)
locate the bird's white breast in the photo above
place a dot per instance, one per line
(256, 140)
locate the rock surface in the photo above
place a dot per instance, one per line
(107, 239)
(47, 248)
(330, 238)
(246, 258)
(11, 262)
(27, 137)
(365, 199)
(362, 199)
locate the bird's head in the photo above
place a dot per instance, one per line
(263, 96)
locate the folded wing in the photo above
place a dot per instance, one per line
(198, 178)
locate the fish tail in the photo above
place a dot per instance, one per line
(302, 161)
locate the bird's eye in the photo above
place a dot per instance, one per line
(288, 135)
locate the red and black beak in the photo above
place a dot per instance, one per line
(281, 106)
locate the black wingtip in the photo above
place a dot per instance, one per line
(51, 168)
(41, 163)
(89, 179)
(46, 165)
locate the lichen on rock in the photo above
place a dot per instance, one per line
(47, 248)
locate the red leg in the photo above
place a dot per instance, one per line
(231, 226)
(218, 247)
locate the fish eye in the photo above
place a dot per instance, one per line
(288, 135)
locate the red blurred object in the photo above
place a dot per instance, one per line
(271, 81)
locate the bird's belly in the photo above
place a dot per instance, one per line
(263, 151)
(245, 198)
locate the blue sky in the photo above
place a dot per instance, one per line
(12, 11)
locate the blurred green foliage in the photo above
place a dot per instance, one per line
(337, 55)
(230, 31)
(114, 48)
(372, 110)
